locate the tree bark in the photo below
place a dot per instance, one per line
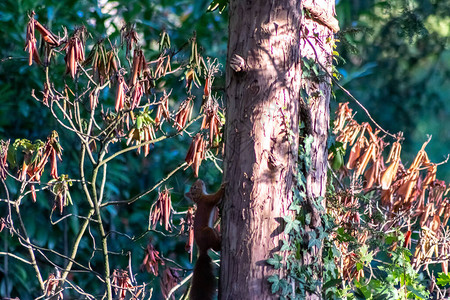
(263, 84)
(317, 44)
(261, 141)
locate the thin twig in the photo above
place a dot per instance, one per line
(345, 90)
(135, 198)
(182, 282)
(16, 257)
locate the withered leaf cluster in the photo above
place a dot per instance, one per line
(30, 43)
(104, 63)
(122, 283)
(187, 224)
(347, 216)
(51, 284)
(161, 211)
(197, 150)
(75, 51)
(143, 131)
(196, 153)
(163, 66)
(163, 110)
(211, 121)
(60, 188)
(184, 113)
(129, 36)
(410, 195)
(151, 260)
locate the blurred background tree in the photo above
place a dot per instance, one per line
(397, 63)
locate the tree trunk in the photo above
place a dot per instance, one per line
(262, 137)
(261, 140)
(317, 45)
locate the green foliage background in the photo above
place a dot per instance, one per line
(397, 57)
(22, 117)
(397, 62)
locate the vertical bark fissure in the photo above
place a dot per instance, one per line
(261, 143)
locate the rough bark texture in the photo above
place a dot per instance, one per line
(261, 141)
(317, 44)
(263, 103)
(319, 90)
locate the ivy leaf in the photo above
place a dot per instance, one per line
(291, 223)
(332, 283)
(275, 280)
(308, 218)
(286, 246)
(314, 241)
(275, 261)
(295, 207)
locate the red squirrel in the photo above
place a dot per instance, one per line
(203, 281)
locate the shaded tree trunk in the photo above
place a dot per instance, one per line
(262, 136)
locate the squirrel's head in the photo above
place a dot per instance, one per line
(197, 190)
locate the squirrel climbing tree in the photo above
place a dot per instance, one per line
(206, 237)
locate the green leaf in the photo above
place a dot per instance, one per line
(359, 266)
(308, 218)
(275, 261)
(332, 283)
(416, 292)
(291, 224)
(275, 280)
(139, 120)
(443, 279)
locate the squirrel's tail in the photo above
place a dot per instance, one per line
(203, 280)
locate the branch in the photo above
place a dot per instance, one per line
(321, 15)
(76, 245)
(30, 249)
(104, 237)
(345, 91)
(135, 198)
(16, 257)
(182, 282)
(154, 141)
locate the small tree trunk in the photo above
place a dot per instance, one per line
(261, 140)
(317, 45)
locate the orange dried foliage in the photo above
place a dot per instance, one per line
(151, 260)
(187, 224)
(163, 110)
(212, 121)
(122, 283)
(184, 113)
(74, 54)
(196, 153)
(412, 191)
(161, 211)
